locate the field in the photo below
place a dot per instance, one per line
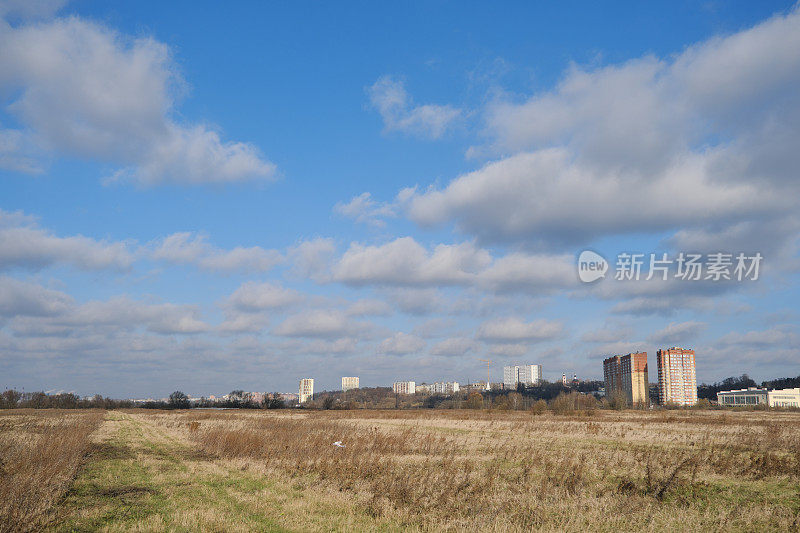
(453, 470)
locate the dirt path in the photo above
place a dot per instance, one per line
(143, 477)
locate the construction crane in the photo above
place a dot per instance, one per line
(488, 381)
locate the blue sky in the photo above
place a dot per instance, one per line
(205, 197)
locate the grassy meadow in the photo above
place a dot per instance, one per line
(420, 470)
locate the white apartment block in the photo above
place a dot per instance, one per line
(444, 387)
(525, 374)
(306, 390)
(349, 383)
(404, 387)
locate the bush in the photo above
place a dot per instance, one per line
(539, 408)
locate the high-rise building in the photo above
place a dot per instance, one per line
(525, 374)
(306, 390)
(677, 382)
(404, 387)
(626, 375)
(349, 383)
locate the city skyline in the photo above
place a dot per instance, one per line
(207, 199)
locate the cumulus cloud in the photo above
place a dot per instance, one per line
(24, 244)
(322, 323)
(22, 298)
(417, 301)
(311, 259)
(37, 310)
(165, 318)
(540, 273)
(369, 307)
(513, 329)
(248, 308)
(255, 296)
(677, 333)
(389, 97)
(81, 89)
(546, 198)
(702, 140)
(454, 346)
(406, 262)
(364, 210)
(401, 344)
(508, 349)
(192, 248)
(782, 335)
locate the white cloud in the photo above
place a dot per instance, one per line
(21, 298)
(453, 346)
(193, 248)
(508, 349)
(702, 140)
(83, 89)
(405, 262)
(364, 210)
(311, 259)
(546, 198)
(165, 318)
(783, 335)
(254, 296)
(37, 310)
(367, 307)
(401, 344)
(329, 324)
(520, 271)
(608, 334)
(677, 333)
(390, 98)
(24, 244)
(514, 329)
(243, 322)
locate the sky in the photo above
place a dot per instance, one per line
(206, 197)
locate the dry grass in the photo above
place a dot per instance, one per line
(40, 453)
(424, 471)
(509, 471)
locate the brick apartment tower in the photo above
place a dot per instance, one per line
(627, 375)
(677, 382)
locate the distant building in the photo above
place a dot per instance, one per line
(443, 387)
(754, 396)
(306, 390)
(475, 385)
(525, 374)
(677, 381)
(349, 383)
(564, 379)
(404, 387)
(423, 388)
(626, 375)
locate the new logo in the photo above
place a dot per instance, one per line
(591, 266)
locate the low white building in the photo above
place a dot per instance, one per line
(444, 387)
(349, 383)
(404, 387)
(756, 396)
